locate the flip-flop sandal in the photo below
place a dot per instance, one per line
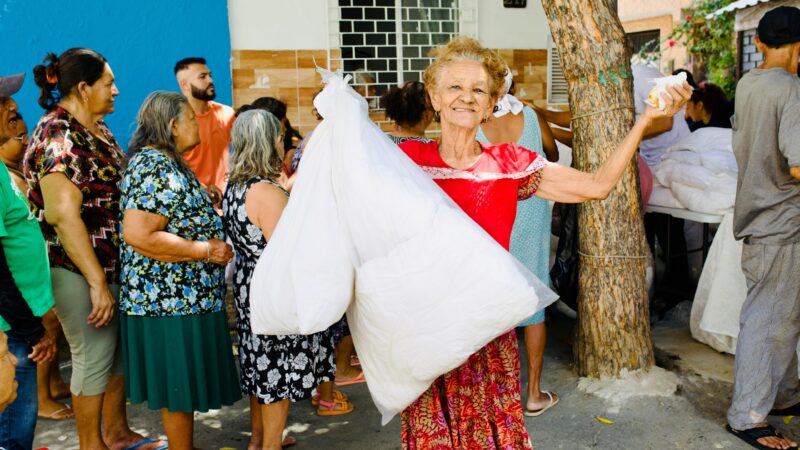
(146, 441)
(538, 412)
(793, 410)
(61, 414)
(359, 379)
(334, 408)
(751, 436)
(337, 395)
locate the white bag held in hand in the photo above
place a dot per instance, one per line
(432, 287)
(654, 97)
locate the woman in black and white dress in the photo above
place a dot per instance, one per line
(274, 369)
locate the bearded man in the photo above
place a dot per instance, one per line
(209, 160)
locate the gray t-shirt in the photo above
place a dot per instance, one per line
(766, 141)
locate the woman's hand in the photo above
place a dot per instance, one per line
(44, 350)
(219, 252)
(102, 305)
(674, 98)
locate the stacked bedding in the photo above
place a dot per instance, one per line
(698, 173)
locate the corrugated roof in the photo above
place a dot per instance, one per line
(741, 4)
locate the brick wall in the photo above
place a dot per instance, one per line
(289, 75)
(750, 55)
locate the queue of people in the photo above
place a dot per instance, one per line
(130, 249)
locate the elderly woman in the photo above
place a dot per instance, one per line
(73, 166)
(274, 369)
(176, 348)
(477, 405)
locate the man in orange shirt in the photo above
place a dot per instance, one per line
(209, 160)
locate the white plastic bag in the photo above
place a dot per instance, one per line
(431, 286)
(654, 97)
(303, 281)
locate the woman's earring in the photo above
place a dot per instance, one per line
(436, 116)
(485, 119)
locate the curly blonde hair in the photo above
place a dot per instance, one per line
(465, 48)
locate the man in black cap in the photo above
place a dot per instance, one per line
(766, 141)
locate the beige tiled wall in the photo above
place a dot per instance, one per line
(289, 75)
(530, 73)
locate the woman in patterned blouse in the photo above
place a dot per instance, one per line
(73, 166)
(176, 348)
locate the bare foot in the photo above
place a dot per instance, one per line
(132, 438)
(540, 401)
(288, 441)
(255, 443)
(774, 442)
(777, 441)
(53, 410)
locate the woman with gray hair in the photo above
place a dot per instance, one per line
(274, 369)
(175, 344)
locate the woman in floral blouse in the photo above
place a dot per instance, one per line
(73, 166)
(175, 344)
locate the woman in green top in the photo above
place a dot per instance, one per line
(176, 349)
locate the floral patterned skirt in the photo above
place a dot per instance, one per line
(475, 406)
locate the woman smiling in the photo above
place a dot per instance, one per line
(477, 405)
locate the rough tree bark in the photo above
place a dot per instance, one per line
(613, 329)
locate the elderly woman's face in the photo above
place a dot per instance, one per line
(462, 94)
(100, 96)
(186, 130)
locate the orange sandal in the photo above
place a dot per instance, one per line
(334, 408)
(337, 395)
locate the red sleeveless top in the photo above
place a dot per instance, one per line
(488, 191)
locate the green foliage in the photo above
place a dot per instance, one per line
(713, 41)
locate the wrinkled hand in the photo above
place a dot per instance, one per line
(214, 194)
(8, 366)
(675, 99)
(44, 350)
(102, 306)
(221, 252)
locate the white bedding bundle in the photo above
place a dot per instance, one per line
(699, 171)
(367, 231)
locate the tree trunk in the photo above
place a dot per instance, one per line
(613, 328)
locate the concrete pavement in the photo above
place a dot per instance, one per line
(692, 419)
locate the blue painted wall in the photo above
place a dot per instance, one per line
(141, 39)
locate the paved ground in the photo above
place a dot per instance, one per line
(692, 419)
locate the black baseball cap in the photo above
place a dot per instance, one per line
(780, 26)
(10, 84)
